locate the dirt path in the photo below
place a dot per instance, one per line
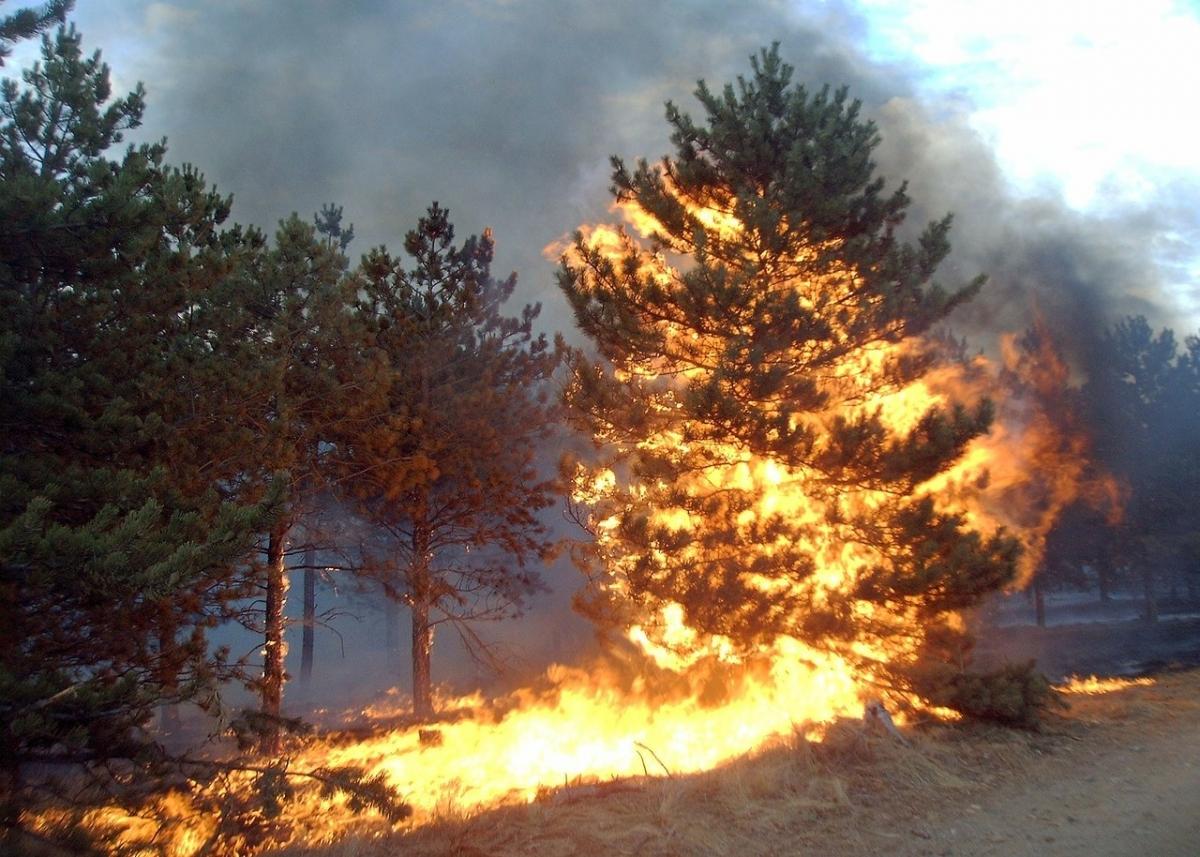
(1122, 779)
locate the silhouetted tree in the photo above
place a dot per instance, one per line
(1145, 419)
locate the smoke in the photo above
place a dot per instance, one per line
(506, 111)
(1077, 272)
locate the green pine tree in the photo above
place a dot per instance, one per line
(754, 479)
(119, 538)
(160, 378)
(28, 22)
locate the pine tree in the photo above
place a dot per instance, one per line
(128, 507)
(442, 448)
(28, 22)
(762, 459)
(1144, 398)
(328, 223)
(119, 542)
(281, 334)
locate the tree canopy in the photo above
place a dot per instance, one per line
(119, 542)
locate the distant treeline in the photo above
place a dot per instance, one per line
(1141, 406)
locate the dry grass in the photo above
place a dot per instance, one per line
(856, 792)
(782, 797)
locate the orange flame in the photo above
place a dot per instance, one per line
(692, 701)
(1096, 686)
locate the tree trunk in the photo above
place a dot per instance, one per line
(1039, 601)
(310, 614)
(421, 592)
(274, 648)
(422, 647)
(1104, 579)
(1149, 595)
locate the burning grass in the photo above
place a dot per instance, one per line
(856, 791)
(793, 790)
(850, 777)
(1095, 685)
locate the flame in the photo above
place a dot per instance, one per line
(1095, 686)
(1016, 479)
(684, 700)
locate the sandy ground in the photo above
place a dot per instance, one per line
(1118, 775)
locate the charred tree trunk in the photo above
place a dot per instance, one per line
(1148, 593)
(273, 645)
(310, 614)
(421, 588)
(1039, 601)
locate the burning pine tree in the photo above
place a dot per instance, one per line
(785, 460)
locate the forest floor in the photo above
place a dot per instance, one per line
(1117, 774)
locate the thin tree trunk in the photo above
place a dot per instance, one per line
(1039, 601)
(1149, 594)
(273, 645)
(421, 588)
(1104, 579)
(310, 614)
(422, 648)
